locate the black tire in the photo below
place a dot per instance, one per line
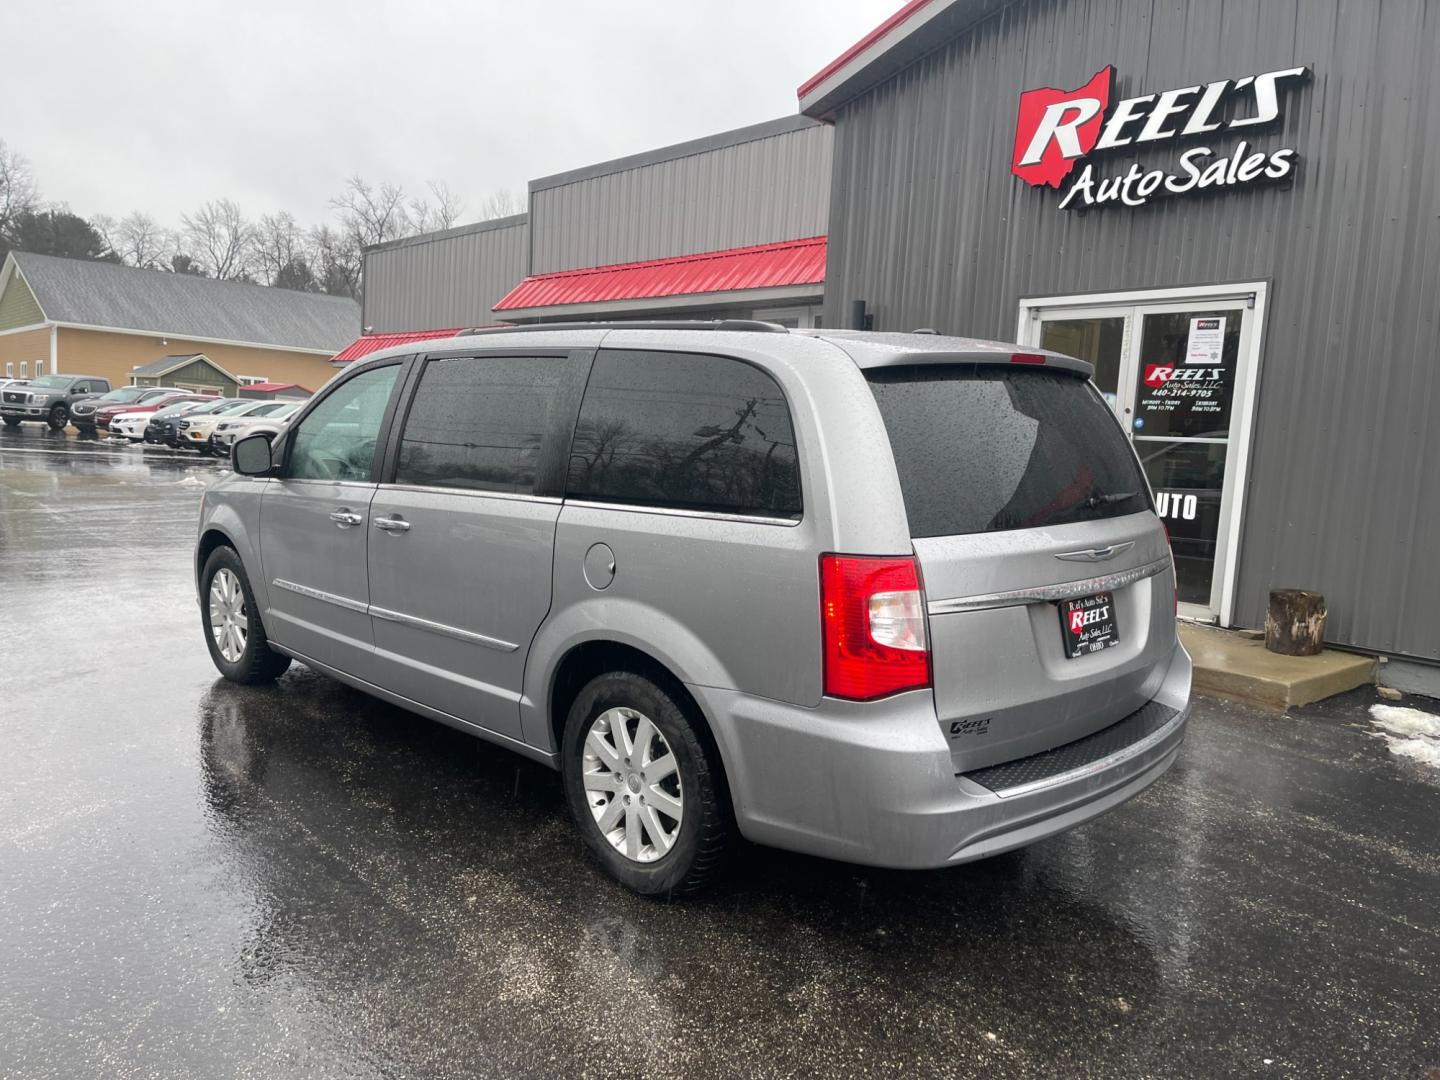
(707, 829)
(59, 417)
(11, 421)
(257, 663)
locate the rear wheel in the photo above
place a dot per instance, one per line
(233, 630)
(59, 417)
(644, 786)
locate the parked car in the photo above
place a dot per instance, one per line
(82, 413)
(164, 426)
(165, 396)
(268, 422)
(895, 599)
(196, 428)
(48, 399)
(133, 425)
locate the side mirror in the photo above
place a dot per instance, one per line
(251, 456)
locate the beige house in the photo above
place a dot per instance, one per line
(76, 317)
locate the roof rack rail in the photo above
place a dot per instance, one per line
(752, 325)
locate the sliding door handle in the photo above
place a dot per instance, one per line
(345, 518)
(392, 524)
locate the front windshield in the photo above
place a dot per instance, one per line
(231, 405)
(56, 382)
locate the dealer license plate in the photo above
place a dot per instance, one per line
(1088, 624)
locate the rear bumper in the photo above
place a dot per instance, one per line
(875, 784)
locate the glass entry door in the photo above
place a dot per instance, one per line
(1171, 372)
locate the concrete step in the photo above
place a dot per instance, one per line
(1235, 666)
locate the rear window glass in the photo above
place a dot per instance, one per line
(687, 431)
(983, 448)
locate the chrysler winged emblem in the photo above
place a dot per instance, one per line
(1096, 554)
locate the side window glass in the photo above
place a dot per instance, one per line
(479, 422)
(337, 441)
(686, 431)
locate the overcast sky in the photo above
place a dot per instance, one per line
(160, 105)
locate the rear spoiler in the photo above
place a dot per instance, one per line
(871, 350)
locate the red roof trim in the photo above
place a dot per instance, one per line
(860, 46)
(763, 266)
(271, 387)
(369, 343)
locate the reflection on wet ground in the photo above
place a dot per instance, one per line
(199, 879)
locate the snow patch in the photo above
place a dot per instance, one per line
(192, 481)
(1408, 733)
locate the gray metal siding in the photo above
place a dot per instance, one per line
(928, 225)
(754, 192)
(449, 279)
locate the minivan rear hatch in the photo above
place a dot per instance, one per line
(1046, 572)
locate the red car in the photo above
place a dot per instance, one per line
(82, 413)
(146, 405)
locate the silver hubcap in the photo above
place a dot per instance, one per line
(632, 783)
(228, 624)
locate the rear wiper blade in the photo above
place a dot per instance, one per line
(1106, 500)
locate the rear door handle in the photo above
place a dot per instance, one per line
(392, 524)
(345, 518)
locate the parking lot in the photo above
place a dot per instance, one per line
(199, 879)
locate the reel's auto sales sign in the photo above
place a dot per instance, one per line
(1057, 129)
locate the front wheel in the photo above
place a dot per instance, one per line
(233, 630)
(644, 785)
(58, 418)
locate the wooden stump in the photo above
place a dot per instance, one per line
(1295, 623)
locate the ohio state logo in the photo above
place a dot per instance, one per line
(1081, 619)
(1056, 129)
(1157, 375)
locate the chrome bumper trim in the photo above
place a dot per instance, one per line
(1049, 594)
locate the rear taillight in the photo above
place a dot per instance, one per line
(872, 612)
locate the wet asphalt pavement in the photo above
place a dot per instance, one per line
(203, 880)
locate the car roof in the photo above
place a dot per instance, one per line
(867, 348)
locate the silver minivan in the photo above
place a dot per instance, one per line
(896, 599)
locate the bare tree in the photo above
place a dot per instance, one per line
(277, 243)
(441, 211)
(18, 193)
(500, 203)
(220, 239)
(108, 228)
(138, 239)
(335, 257)
(372, 214)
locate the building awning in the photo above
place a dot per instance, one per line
(369, 343)
(719, 274)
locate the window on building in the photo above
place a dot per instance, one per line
(39, 368)
(686, 431)
(10, 370)
(479, 422)
(337, 440)
(24, 369)
(251, 380)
